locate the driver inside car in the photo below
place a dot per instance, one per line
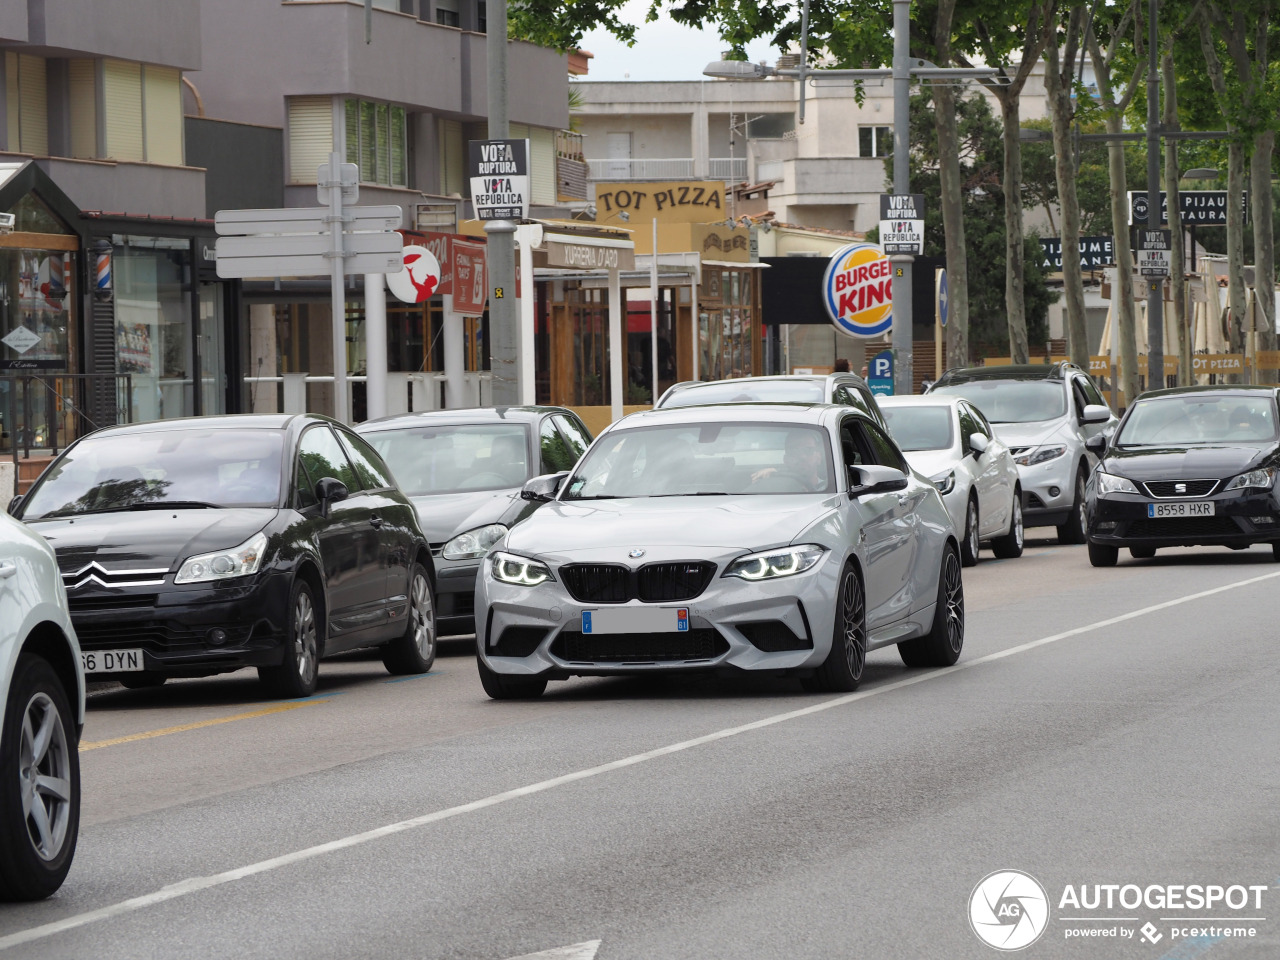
(804, 460)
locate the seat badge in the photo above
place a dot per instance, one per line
(636, 553)
(1179, 488)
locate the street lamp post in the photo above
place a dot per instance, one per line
(1155, 287)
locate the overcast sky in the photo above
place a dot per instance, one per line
(664, 50)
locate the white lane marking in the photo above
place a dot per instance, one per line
(575, 951)
(195, 884)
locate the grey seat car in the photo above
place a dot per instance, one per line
(463, 470)
(1045, 414)
(843, 389)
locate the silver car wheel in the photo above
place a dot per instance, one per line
(853, 622)
(44, 771)
(304, 637)
(422, 622)
(953, 591)
(972, 517)
(1017, 522)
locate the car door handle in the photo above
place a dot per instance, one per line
(375, 521)
(7, 569)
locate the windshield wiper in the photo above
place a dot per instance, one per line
(700, 493)
(164, 505)
(595, 496)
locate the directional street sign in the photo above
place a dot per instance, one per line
(1154, 252)
(944, 298)
(902, 223)
(298, 241)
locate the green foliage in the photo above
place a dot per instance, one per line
(1093, 179)
(981, 156)
(560, 24)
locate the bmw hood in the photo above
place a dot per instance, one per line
(444, 515)
(1028, 434)
(730, 523)
(1190, 463)
(147, 539)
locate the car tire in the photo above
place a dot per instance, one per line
(1073, 531)
(1101, 555)
(415, 652)
(502, 687)
(941, 646)
(296, 676)
(1011, 544)
(842, 671)
(969, 547)
(35, 854)
(1275, 550)
(141, 681)
(1142, 553)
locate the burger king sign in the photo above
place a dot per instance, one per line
(857, 290)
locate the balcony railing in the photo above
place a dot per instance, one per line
(667, 168)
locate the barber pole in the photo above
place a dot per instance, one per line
(102, 272)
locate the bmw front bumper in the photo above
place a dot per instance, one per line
(780, 625)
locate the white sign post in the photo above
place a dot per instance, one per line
(333, 240)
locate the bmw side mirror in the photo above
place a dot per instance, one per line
(14, 504)
(543, 488)
(330, 490)
(1096, 445)
(1095, 413)
(978, 444)
(873, 478)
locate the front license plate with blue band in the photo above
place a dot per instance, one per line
(1195, 508)
(636, 620)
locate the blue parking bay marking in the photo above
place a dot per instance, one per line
(416, 676)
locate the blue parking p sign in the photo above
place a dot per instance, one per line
(880, 374)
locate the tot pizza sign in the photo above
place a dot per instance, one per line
(857, 291)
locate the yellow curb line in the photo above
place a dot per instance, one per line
(87, 745)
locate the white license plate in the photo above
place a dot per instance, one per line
(636, 620)
(111, 661)
(1194, 508)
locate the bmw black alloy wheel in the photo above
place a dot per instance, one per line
(853, 621)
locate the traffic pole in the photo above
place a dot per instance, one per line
(503, 341)
(903, 379)
(338, 297)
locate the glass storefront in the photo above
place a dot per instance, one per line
(726, 317)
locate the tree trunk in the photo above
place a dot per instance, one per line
(1264, 256)
(1015, 271)
(1172, 175)
(1062, 111)
(1235, 248)
(944, 101)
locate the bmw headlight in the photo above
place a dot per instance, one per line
(521, 571)
(945, 482)
(1260, 479)
(770, 564)
(473, 543)
(241, 561)
(1037, 455)
(1109, 484)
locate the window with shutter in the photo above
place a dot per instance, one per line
(122, 110)
(542, 165)
(162, 105)
(27, 103)
(82, 78)
(310, 136)
(452, 158)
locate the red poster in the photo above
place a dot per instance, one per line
(469, 291)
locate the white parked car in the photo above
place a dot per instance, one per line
(949, 441)
(42, 691)
(783, 538)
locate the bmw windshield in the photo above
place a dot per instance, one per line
(164, 469)
(705, 459)
(1011, 401)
